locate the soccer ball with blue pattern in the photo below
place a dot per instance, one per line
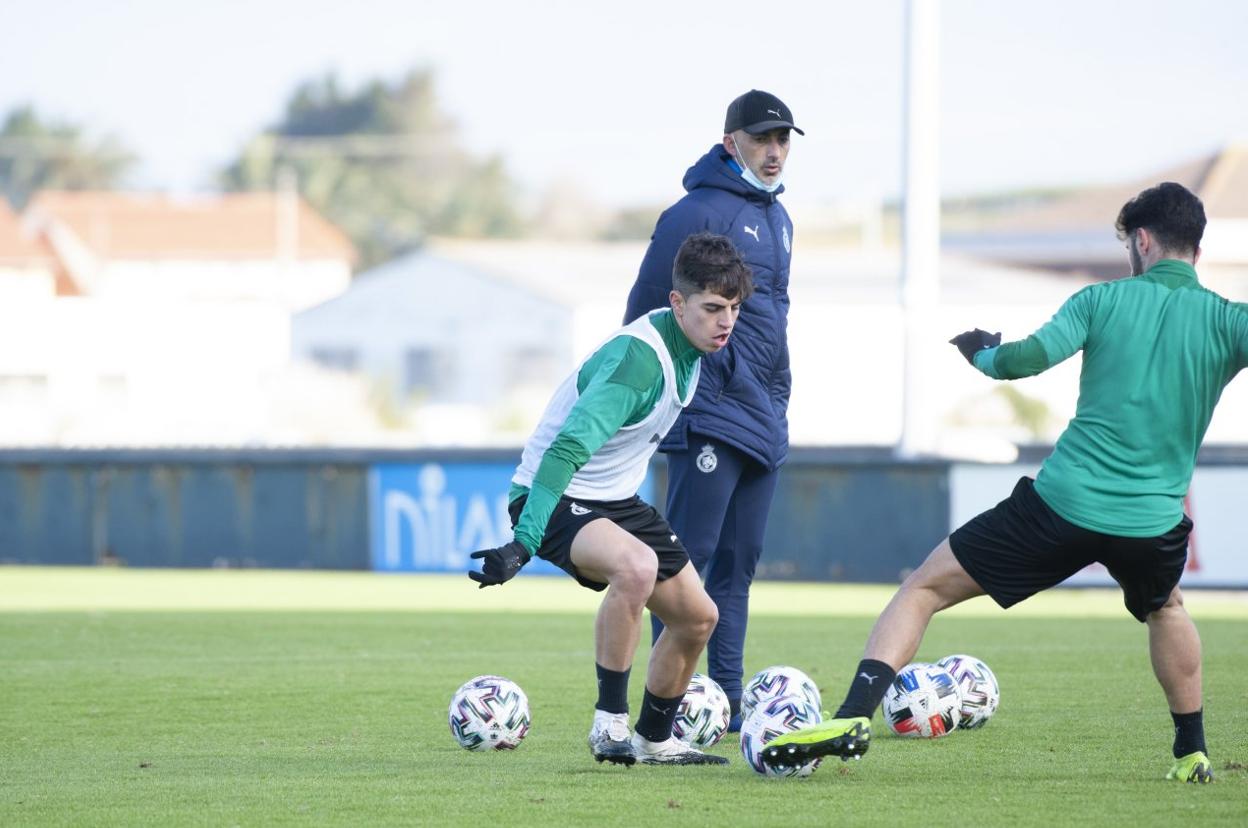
(770, 718)
(980, 693)
(489, 713)
(922, 702)
(704, 712)
(777, 681)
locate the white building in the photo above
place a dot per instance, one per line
(142, 320)
(460, 353)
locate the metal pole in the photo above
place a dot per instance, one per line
(920, 256)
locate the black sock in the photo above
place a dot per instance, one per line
(1189, 732)
(734, 707)
(657, 715)
(867, 689)
(612, 690)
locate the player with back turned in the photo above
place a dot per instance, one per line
(1158, 348)
(574, 500)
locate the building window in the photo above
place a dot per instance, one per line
(336, 359)
(427, 371)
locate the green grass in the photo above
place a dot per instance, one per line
(262, 698)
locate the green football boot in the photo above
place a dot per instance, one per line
(845, 738)
(1194, 767)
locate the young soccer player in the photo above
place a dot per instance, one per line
(574, 500)
(1157, 351)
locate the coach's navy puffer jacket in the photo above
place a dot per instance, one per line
(743, 394)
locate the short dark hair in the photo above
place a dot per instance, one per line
(708, 262)
(1169, 211)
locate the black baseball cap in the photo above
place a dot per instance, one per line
(757, 111)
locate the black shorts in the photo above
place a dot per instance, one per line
(1021, 547)
(633, 515)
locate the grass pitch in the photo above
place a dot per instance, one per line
(261, 698)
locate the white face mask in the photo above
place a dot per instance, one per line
(752, 179)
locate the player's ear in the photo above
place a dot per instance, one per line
(678, 303)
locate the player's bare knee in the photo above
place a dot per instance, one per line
(707, 621)
(920, 585)
(1173, 608)
(702, 621)
(925, 592)
(696, 623)
(636, 575)
(924, 576)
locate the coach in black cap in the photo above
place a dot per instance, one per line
(758, 111)
(724, 453)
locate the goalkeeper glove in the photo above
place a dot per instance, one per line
(972, 342)
(499, 564)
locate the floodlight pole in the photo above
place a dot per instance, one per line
(920, 250)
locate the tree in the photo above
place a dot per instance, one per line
(383, 163)
(1032, 414)
(632, 224)
(37, 155)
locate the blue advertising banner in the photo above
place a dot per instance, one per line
(429, 517)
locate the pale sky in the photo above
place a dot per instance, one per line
(622, 97)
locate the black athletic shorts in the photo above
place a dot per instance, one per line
(1021, 547)
(633, 515)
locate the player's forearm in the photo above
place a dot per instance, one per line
(1012, 360)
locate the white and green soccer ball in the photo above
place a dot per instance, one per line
(980, 693)
(704, 712)
(771, 718)
(489, 713)
(776, 681)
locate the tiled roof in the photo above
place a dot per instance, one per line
(1220, 179)
(17, 245)
(229, 226)
(1225, 189)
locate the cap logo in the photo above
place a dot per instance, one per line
(774, 112)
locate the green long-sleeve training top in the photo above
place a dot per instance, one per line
(1158, 349)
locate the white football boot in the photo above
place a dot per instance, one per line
(609, 738)
(671, 751)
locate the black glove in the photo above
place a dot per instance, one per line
(972, 342)
(500, 564)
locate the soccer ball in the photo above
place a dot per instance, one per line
(777, 681)
(978, 686)
(772, 717)
(702, 718)
(489, 713)
(923, 702)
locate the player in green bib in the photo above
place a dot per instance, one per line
(574, 500)
(1157, 351)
